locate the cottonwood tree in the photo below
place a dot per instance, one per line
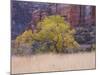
(54, 29)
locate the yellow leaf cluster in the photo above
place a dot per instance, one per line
(26, 37)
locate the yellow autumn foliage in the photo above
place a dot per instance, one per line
(53, 28)
(25, 37)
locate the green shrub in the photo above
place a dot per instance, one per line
(23, 49)
(93, 47)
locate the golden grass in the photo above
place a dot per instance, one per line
(53, 62)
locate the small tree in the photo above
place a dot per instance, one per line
(55, 29)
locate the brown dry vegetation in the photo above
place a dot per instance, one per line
(53, 62)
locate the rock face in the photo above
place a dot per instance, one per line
(71, 13)
(25, 15)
